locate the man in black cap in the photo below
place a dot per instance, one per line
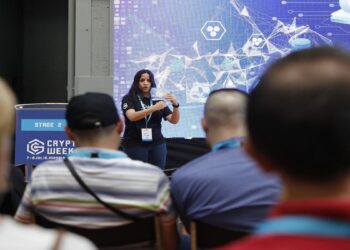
(133, 187)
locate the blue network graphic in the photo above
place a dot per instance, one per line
(194, 47)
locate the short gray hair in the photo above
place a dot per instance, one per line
(226, 108)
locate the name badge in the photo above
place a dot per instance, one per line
(146, 134)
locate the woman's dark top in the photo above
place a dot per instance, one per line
(132, 133)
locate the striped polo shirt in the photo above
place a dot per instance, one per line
(135, 187)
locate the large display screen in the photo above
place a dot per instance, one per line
(196, 46)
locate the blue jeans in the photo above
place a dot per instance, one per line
(185, 242)
(153, 154)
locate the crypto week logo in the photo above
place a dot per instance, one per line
(41, 150)
(35, 147)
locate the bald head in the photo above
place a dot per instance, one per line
(299, 114)
(224, 112)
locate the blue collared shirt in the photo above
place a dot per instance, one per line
(224, 188)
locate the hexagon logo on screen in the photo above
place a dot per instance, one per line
(35, 147)
(213, 30)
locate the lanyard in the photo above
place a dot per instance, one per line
(147, 118)
(230, 143)
(97, 154)
(305, 225)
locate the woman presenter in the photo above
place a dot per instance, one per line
(143, 139)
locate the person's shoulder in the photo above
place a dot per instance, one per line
(29, 235)
(138, 166)
(128, 102)
(237, 152)
(210, 162)
(127, 97)
(193, 166)
(72, 241)
(235, 156)
(50, 164)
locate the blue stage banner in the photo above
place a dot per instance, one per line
(40, 134)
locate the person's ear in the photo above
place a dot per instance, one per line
(258, 156)
(204, 125)
(70, 134)
(120, 126)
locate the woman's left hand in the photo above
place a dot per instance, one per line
(171, 98)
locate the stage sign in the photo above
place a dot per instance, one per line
(40, 134)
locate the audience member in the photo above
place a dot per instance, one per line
(134, 187)
(14, 235)
(224, 188)
(299, 127)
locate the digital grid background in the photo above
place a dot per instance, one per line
(196, 46)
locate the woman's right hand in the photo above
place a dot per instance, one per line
(159, 105)
(133, 115)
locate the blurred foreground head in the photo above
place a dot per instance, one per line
(299, 115)
(7, 102)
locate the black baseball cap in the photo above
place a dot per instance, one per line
(91, 110)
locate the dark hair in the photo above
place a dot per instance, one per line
(134, 89)
(299, 114)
